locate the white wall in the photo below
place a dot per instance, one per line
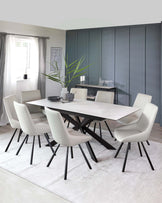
(57, 39)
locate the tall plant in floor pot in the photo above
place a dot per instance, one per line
(72, 71)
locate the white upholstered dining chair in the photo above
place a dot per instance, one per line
(65, 137)
(137, 132)
(79, 93)
(106, 97)
(12, 117)
(31, 95)
(140, 102)
(31, 127)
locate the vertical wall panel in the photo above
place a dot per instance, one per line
(122, 64)
(71, 49)
(153, 63)
(160, 109)
(83, 38)
(94, 56)
(137, 61)
(107, 71)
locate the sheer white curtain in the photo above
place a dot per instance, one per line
(13, 73)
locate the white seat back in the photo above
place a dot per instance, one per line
(147, 119)
(141, 100)
(79, 93)
(31, 95)
(10, 110)
(58, 129)
(25, 119)
(105, 96)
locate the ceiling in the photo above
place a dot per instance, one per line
(74, 14)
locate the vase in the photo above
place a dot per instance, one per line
(70, 96)
(64, 91)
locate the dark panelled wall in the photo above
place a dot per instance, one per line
(128, 55)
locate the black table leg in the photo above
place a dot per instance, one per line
(99, 139)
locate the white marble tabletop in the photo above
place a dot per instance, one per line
(97, 109)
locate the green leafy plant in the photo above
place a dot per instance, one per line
(72, 71)
(55, 75)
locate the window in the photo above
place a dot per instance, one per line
(22, 53)
(26, 57)
(21, 58)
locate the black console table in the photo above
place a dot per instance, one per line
(92, 90)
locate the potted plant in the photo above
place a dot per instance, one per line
(72, 71)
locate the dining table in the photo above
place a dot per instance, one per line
(81, 113)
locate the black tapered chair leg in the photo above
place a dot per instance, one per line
(85, 157)
(94, 129)
(149, 160)
(32, 152)
(27, 139)
(71, 149)
(109, 129)
(126, 155)
(91, 152)
(118, 150)
(147, 142)
(21, 144)
(45, 134)
(53, 156)
(66, 164)
(65, 120)
(39, 141)
(130, 146)
(20, 133)
(100, 130)
(11, 140)
(68, 124)
(139, 148)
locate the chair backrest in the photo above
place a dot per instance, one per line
(147, 119)
(105, 96)
(31, 95)
(141, 100)
(58, 129)
(25, 119)
(10, 110)
(79, 93)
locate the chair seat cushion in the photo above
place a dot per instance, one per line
(15, 123)
(37, 115)
(77, 137)
(129, 119)
(42, 127)
(128, 135)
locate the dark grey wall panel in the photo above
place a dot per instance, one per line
(71, 49)
(153, 63)
(137, 61)
(94, 56)
(160, 107)
(122, 64)
(129, 55)
(71, 45)
(107, 71)
(83, 39)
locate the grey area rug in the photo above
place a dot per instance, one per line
(103, 184)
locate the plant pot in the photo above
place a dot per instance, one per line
(64, 91)
(70, 96)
